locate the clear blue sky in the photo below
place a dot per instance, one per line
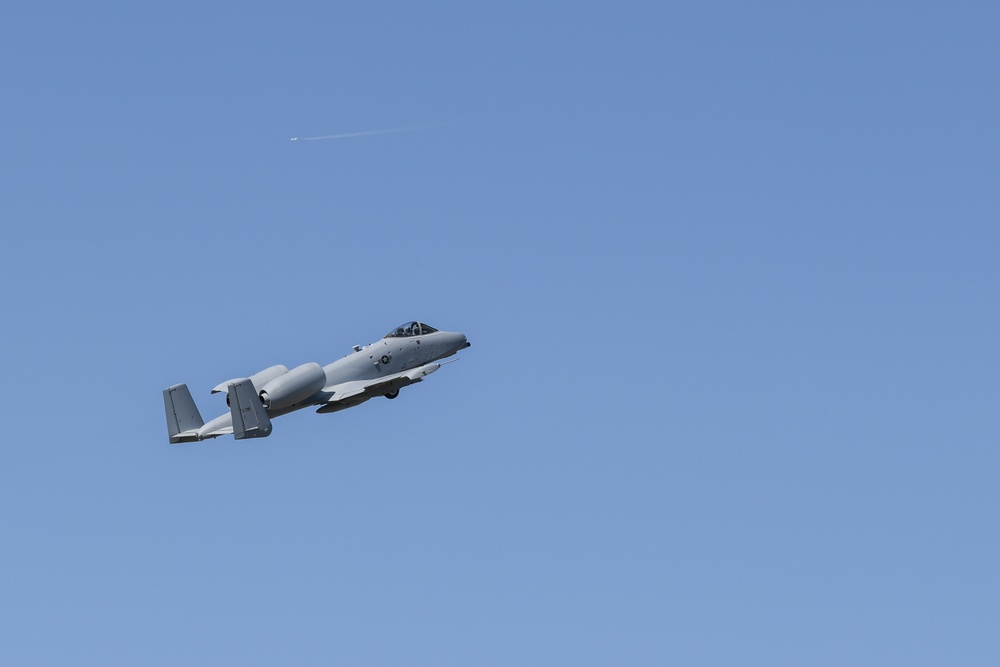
(731, 275)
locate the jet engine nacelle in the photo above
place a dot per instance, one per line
(296, 385)
(258, 379)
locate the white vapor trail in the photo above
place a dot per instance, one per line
(369, 133)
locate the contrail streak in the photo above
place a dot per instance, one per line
(369, 133)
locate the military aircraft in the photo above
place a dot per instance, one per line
(406, 355)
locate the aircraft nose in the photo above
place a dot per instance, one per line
(459, 341)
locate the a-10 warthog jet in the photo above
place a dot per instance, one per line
(406, 355)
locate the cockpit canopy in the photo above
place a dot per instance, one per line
(410, 329)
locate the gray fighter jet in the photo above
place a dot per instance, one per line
(406, 355)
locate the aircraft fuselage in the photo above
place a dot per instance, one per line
(403, 357)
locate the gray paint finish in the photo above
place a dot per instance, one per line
(405, 356)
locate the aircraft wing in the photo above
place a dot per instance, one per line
(348, 394)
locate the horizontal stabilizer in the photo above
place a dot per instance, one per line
(250, 419)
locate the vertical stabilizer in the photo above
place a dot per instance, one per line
(183, 418)
(250, 419)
